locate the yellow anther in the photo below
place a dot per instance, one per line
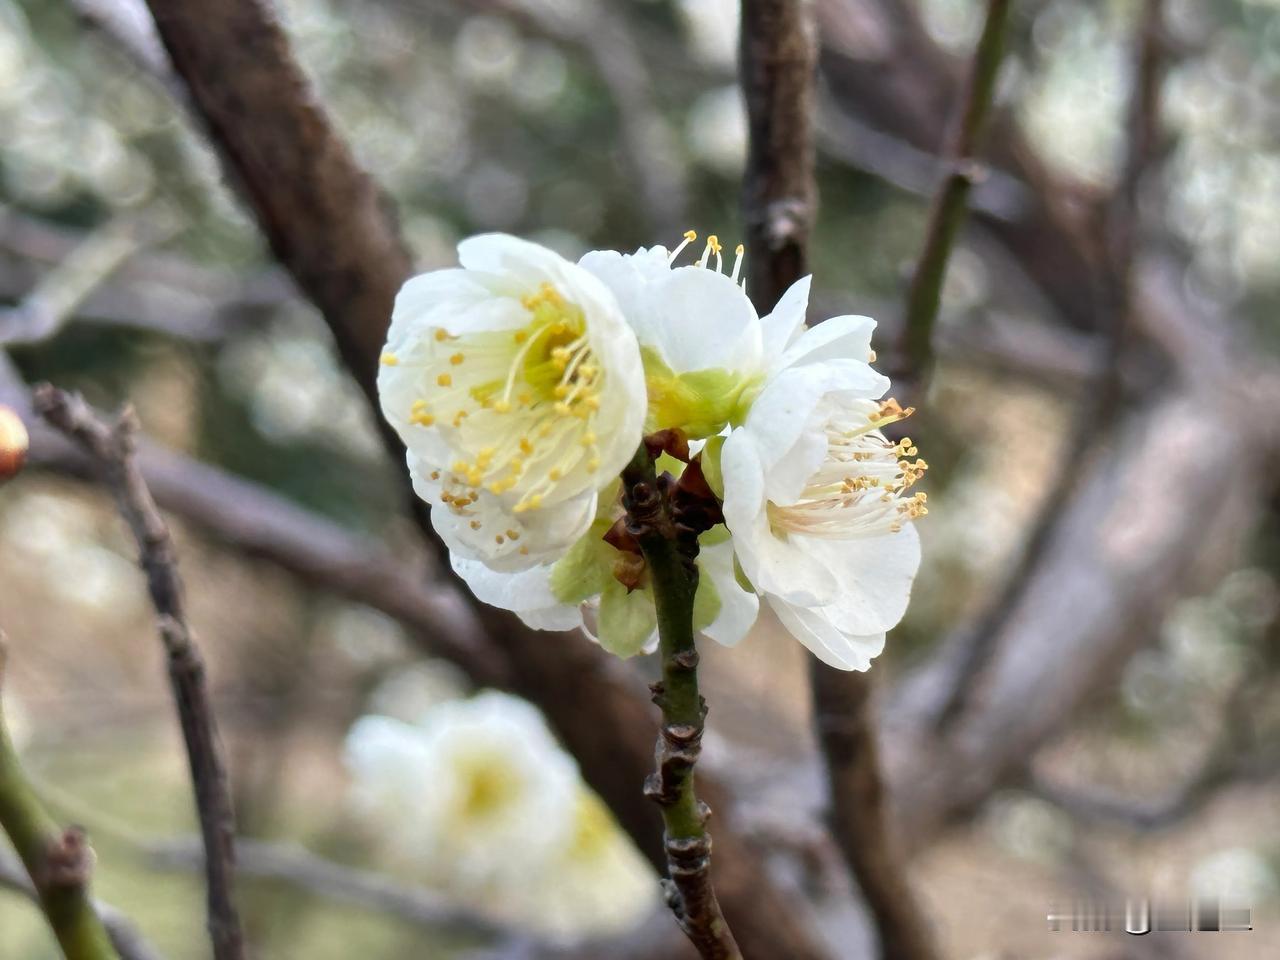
(456, 359)
(525, 446)
(562, 408)
(513, 534)
(714, 243)
(423, 419)
(739, 250)
(444, 380)
(691, 235)
(501, 406)
(592, 401)
(588, 439)
(435, 474)
(499, 539)
(561, 391)
(521, 336)
(461, 466)
(475, 524)
(390, 359)
(440, 335)
(593, 465)
(524, 551)
(554, 474)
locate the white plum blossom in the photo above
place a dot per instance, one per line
(706, 350)
(477, 789)
(516, 385)
(816, 496)
(599, 884)
(477, 797)
(522, 384)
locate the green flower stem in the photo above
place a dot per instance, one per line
(670, 550)
(58, 861)
(916, 346)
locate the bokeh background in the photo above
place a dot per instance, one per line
(613, 125)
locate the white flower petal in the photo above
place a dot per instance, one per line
(782, 423)
(816, 629)
(738, 608)
(772, 564)
(785, 323)
(483, 531)
(527, 593)
(840, 338)
(875, 576)
(704, 321)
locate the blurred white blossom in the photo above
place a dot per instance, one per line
(477, 796)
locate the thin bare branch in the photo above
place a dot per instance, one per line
(913, 353)
(845, 719)
(304, 870)
(1098, 408)
(112, 447)
(777, 55)
(60, 292)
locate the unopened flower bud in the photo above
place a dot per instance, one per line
(13, 443)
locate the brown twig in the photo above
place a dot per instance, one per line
(58, 862)
(112, 447)
(777, 75)
(670, 549)
(844, 718)
(913, 351)
(777, 61)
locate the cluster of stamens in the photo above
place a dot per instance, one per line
(712, 249)
(860, 488)
(523, 401)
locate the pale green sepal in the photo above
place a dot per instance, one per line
(706, 603)
(740, 575)
(711, 465)
(701, 402)
(666, 463)
(584, 571)
(627, 620)
(715, 536)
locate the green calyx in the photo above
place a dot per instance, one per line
(700, 403)
(627, 617)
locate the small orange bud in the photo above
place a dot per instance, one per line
(13, 443)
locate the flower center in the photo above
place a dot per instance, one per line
(521, 403)
(487, 787)
(860, 490)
